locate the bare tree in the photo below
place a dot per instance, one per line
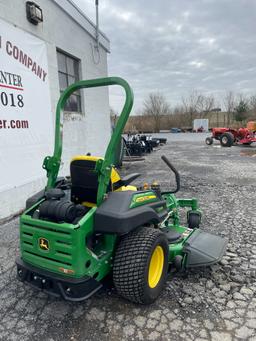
(252, 102)
(243, 97)
(193, 105)
(252, 107)
(156, 106)
(208, 104)
(229, 103)
(242, 108)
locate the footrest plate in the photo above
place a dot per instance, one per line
(204, 248)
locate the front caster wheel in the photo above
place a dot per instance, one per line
(141, 265)
(194, 219)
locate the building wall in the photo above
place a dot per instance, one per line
(89, 132)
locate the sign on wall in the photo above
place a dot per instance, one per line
(26, 133)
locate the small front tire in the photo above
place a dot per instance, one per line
(209, 141)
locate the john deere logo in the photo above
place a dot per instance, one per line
(44, 244)
(145, 198)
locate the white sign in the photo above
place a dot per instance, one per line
(26, 134)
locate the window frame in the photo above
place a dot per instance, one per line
(67, 75)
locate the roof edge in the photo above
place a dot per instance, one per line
(77, 15)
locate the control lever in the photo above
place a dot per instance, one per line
(176, 173)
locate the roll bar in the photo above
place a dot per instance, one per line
(52, 163)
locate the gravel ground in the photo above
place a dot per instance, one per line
(215, 303)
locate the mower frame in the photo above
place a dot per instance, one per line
(62, 258)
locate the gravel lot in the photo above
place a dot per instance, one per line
(216, 303)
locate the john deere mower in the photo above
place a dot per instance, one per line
(94, 226)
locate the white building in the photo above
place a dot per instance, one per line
(37, 61)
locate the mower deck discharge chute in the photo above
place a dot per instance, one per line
(84, 229)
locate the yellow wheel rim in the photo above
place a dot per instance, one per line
(156, 267)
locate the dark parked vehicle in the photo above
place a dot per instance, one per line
(175, 130)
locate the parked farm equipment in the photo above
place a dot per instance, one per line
(134, 146)
(229, 136)
(138, 145)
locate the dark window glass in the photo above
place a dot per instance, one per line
(73, 103)
(76, 69)
(70, 66)
(61, 62)
(63, 81)
(71, 80)
(68, 70)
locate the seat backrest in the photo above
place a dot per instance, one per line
(84, 180)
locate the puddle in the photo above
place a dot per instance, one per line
(251, 153)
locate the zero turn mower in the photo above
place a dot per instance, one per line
(80, 230)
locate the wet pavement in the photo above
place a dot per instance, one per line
(215, 303)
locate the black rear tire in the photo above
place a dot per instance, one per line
(209, 141)
(227, 139)
(133, 261)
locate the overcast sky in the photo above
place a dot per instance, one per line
(175, 46)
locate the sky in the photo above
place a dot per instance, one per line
(176, 46)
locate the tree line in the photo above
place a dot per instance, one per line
(157, 113)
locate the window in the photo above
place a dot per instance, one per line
(68, 70)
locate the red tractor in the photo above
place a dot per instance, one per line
(229, 136)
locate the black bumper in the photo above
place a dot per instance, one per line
(71, 289)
